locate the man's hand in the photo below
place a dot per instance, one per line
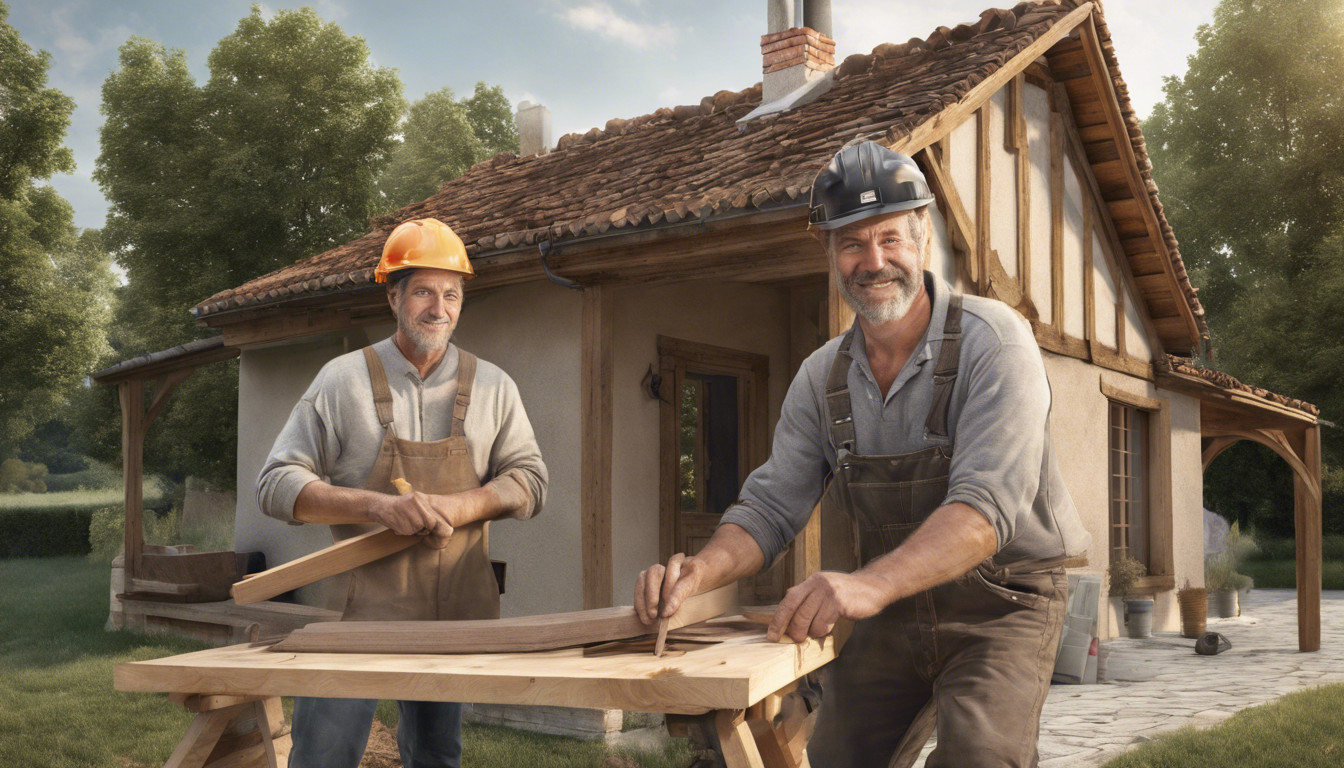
(812, 608)
(660, 591)
(415, 513)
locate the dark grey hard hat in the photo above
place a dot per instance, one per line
(865, 180)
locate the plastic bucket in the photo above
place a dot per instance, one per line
(1224, 604)
(1140, 621)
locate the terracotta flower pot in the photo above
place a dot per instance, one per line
(1194, 604)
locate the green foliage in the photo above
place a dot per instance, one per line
(45, 532)
(53, 281)
(97, 476)
(270, 161)
(107, 532)
(1282, 574)
(441, 138)
(1222, 570)
(1124, 573)
(17, 476)
(1248, 150)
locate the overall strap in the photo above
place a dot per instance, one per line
(382, 395)
(945, 373)
(838, 408)
(466, 377)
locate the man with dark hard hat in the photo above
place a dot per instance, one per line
(928, 422)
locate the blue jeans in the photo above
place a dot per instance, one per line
(332, 733)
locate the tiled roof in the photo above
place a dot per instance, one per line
(692, 161)
(1188, 367)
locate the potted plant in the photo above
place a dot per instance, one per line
(1125, 573)
(1194, 603)
(1221, 575)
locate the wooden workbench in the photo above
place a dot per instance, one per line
(740, 681)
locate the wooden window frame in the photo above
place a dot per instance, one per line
(1161, 551)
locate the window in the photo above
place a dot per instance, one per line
(1129, 483)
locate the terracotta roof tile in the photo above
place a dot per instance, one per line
(693, 161)
(1188, 367)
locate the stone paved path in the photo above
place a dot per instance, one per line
(1161, 684)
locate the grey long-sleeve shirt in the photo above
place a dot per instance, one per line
(333, 432)
(1003, 461)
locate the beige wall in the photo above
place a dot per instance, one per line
(532, 332)
(740, 316)
(1079, 420)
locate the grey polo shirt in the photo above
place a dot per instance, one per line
(1003, 460)
(333, 432)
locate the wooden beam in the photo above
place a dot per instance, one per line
(1089, 300)
(1216, 446)
(1023, 148)
(1307, 531)
(840, 316)
(982, 198)
(514, 635)
(131, 394)
(161, 394)
(201, 737)
(338, 558)
(597, 447)
(944, 122)
(960, 230)
(737, 744)
(1057, 286)
(1101, 78)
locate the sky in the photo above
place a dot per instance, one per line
(586, 60)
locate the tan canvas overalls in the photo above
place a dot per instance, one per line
(974, 655)
(422, 583)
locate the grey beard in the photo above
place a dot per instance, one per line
(425, 342)
(884, 311)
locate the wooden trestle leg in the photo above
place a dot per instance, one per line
(771, 734)
(232, 732)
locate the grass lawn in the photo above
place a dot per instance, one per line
(1303, 730)
(58, 709)
(1282, 574)
(153, 490)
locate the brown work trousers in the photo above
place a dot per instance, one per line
(973, 657)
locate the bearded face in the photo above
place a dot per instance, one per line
(427, 306)
(878, 264)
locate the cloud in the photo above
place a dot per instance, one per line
(607, 22)
(75, 50)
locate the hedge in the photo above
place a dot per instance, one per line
(52, 531)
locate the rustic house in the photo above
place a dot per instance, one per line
(651, 287)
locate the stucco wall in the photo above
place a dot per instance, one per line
(740, 316)
(532, 332)
(1079, 420)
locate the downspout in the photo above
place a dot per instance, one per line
(545, 248)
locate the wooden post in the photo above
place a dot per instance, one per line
(597, 436)
(982, 197)
(1020, 143)
(1057, 309)
(1307, 527)
(131, 394)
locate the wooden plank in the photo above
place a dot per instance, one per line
(738, 746)
(145, 586)
(201, 737)
(733, 674)
(839, 314)
(595, 534)
(941, 124)
(523, 633)
(1307, 531)
(338, 558)
(209, 702)
(963, 234)
(131, 394)
(1050, 338)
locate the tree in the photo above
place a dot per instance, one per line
(53, 281)
(442, 138)
(1248, 150)
(268, 162)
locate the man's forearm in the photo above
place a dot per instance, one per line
(325, 504)
(730, 554)
(952, 541)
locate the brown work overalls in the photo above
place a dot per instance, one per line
(974, 655)
(420, 582)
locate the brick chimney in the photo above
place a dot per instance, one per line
(534, 129)
(798, 48)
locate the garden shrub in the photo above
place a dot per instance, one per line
(19, 476)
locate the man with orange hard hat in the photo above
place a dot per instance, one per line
(416, 408)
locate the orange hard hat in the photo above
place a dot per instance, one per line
(427, 243)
